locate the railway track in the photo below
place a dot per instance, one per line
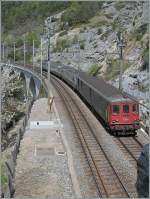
(107, 180)
(131, 147)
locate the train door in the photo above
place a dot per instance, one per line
(126, 113)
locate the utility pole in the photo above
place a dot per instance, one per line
(24, 54)
(14, 52)
(120, 45)
(49, 86)
(33, 55)
(78, 57)
(41, 35)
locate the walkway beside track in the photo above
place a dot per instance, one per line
(42, 167)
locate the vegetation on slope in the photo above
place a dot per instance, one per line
(17, 13)
(94, 69)
(80, 12)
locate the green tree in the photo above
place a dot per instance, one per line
(80, 12)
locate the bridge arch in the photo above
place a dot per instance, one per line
(32, 87)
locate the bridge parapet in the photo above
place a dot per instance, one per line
(33, 81)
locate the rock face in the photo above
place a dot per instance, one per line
(97, 39)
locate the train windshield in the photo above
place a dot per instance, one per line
(126, 108)
(115, 109)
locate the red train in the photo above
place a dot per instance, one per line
(118, 112)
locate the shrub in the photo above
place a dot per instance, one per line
(99, 31)
(32, 36)
(94, 69)
(19, 42)
(115, 25)
(61, 44)
(82, 45)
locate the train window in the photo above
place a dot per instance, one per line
(115, 109)
(134, 108)
(126, 108)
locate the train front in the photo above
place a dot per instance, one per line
(124, 116)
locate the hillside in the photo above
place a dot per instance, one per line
(91, 24)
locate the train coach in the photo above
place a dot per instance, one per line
(119, 113)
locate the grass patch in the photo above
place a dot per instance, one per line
(3, 176)
(99, 21)
(115, 25)
(3, 179)
(94, 69)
